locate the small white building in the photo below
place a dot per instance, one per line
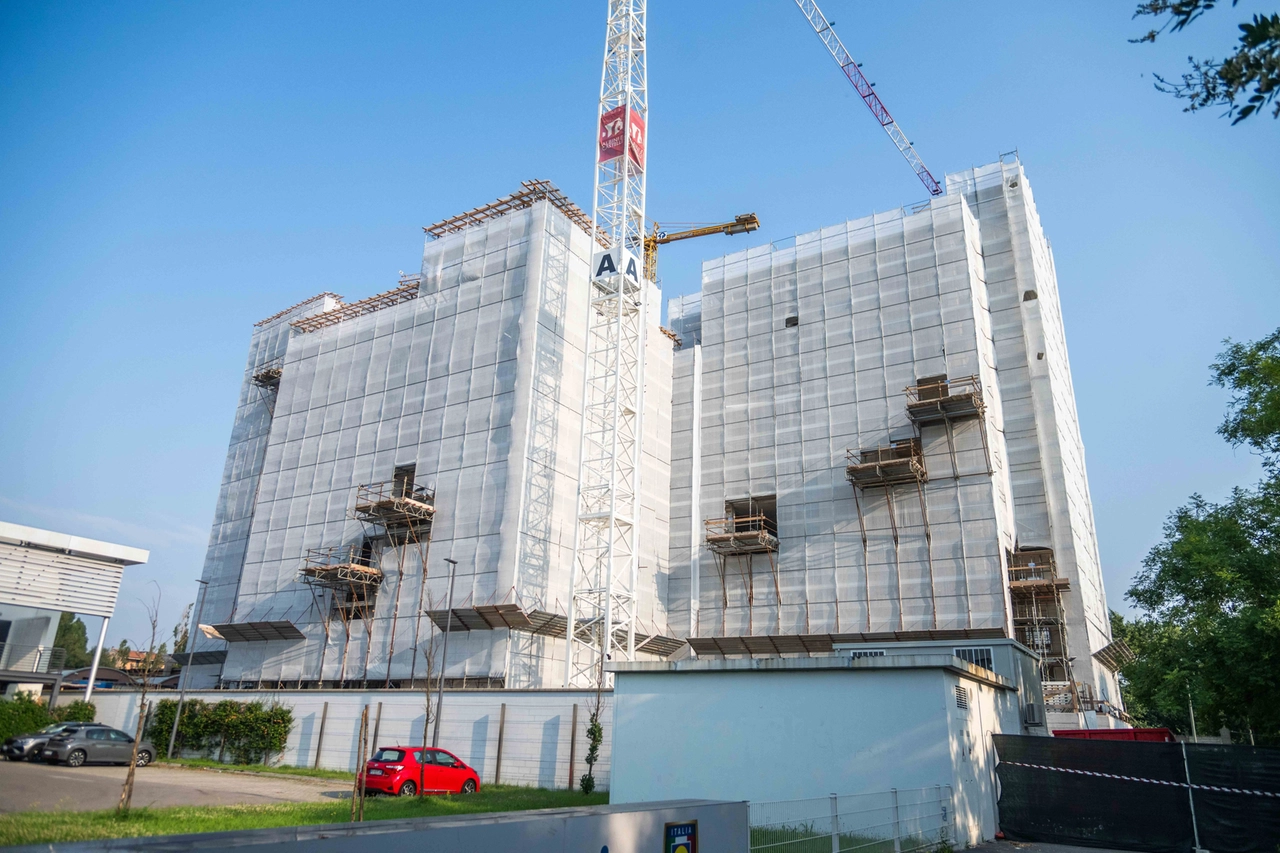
(858, 720)
(42, 575)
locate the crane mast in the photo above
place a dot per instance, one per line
(835, 47)
(602, 600)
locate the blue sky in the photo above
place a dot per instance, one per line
(172, 172)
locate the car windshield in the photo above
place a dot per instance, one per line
(56, 727)
(388, 755)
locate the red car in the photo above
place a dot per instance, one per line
(400, 769)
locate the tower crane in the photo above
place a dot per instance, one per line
(601, 623)
(741, 224)
(853, 70)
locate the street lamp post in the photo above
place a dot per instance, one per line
(191, 656)
(444, 653)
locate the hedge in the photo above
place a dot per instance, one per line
(23, 715)
(245, 732)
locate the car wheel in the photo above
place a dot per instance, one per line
(76, 758)
(408, 789)
(144, 758)
(469, 786)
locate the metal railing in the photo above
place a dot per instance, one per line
(20, 658)
(894, 821)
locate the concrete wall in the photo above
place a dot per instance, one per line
(535, 739)
(778, 734)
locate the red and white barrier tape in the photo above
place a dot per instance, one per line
(1217, 788)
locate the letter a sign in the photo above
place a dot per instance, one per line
(613, 262)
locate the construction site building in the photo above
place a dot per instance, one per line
(875, 440)
(441, 419)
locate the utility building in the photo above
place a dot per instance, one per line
(441, 419)
(875, 440)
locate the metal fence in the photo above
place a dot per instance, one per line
(40, 659)
(894, 821)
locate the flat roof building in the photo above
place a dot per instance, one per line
(42, 575)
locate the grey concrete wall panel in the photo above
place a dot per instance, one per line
(722, 828)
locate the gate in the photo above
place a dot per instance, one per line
(1155, 797)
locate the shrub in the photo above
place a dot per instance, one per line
(22, 715)
(246, 732)
(78, 711)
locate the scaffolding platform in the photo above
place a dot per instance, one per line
(887, 465)
(267, 375)
(1039, 617)
(513, 617)
(395, 504)
(936, 399)
(340, 568)
(755, 534)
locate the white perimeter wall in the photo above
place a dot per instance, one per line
(535, 741)
(764, 736)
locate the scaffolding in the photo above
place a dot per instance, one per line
(398, 514)
(267, 375)
(531, 192)
(741, 538)
(407, 290)
(899, 463)
(939, 400)
(1040, 623)
(347, 578)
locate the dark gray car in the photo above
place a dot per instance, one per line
(30, 746)
(95, 745)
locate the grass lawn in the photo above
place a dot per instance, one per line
(46, 827)
(285, 769)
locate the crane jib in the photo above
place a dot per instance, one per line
(836, 48)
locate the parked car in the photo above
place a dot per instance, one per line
(30, 746)
(398, 769)
(95, 745)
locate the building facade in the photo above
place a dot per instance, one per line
(868, 434)
(438, 420)
(876, 437)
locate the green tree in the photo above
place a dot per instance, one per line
(73, 637)
(1252, 372)
(1244, 82)
(1210, 591)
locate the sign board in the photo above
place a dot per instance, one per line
(614, 130)
(680, 837)
(613, 262)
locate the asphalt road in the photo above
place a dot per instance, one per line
(40, 787)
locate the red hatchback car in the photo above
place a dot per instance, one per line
(398, 769)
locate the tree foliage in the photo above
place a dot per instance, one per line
(22, 715)
(1252, 372)
(1210, 591)
(245, 732)
(73, 637)
(1244, 82)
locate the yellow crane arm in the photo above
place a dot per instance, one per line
(742, 224)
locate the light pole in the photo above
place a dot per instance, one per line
(444, 653)
(191, 656)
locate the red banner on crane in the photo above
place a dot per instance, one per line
(613, 130)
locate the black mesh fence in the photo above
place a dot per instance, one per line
(1134, 796)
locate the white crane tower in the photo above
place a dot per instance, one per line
(602, 602)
